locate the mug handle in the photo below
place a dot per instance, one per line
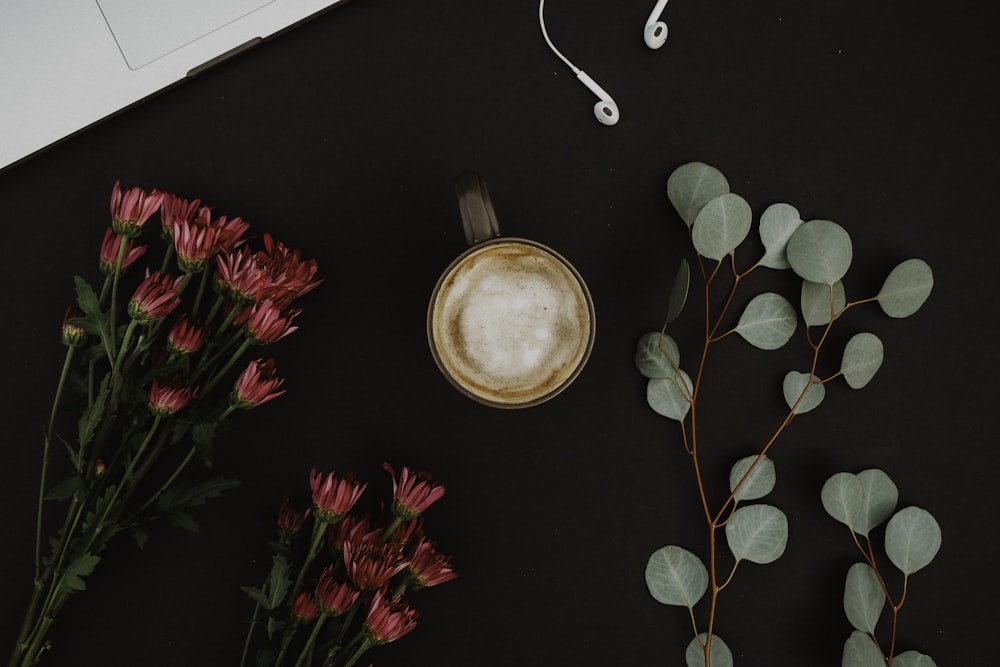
(478, 217)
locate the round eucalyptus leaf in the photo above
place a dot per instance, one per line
(843, 498)
(913, 659)
(757, 533)
(721, 225)
(768, 321)
(693, 185)
(777, 223)
(757, 484)
(820, 251)
(670, 397)
(805, 386)
(863, 597)
(679, 291)
(906, 288)
(720, 655)
(862, 358)
(912, 539)
(818, 301)
(878, 500)
(860, 651)
(654, 354)
(675, 576)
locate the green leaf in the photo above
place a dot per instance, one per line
(816, 300)
(878, 500)
(863, 597)
(912, 659)
(72, 577)
(757, 533)
(278, 582)
(654, 354)
(675, 576)
(693, 185)
(843, 498)
(768, 321)
(670, 397)
(679, 291)
(721, 226)
(906, 288)
(721, 656)
(182, 497)
(820, 251)
(802, 385)
(862, 358)
(91, 417)
(777, 223)
(183, 520)
(860, 651)
(912, 539)
(96, 321)
(65, 489)
(141, 536)
(256, 595)
(757, 484)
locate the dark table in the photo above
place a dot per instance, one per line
(343, 138)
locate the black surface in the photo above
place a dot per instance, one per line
(343, 138)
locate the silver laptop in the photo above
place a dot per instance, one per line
(66, 64)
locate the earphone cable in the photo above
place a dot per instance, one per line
(545, 34)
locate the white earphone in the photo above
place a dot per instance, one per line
(655, 32)
(606, 111)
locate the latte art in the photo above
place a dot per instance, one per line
(510, 323)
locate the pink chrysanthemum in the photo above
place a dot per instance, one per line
(333, 498)
(257, 384)
(291, 519)
(131, 208)
(73, 335)
(185, 337)
(387, 621)
(304, 608)
(194, 241)
(290, 275)
(239, 276)
(370, 562)
(413, 493)
(175, 209)
(109, 252)
(334, 597)
(428, 567)
(230, 232)
(166, 398)
(266, 323)
(348, 529)
(155, 298)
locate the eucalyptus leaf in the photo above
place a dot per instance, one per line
(912, 539)
(802, 386)
(657, 356)
(777, 223)
(820, 251)
(675, 576)
(912, 659)
(860, 651)
(670, 397)
(757, 533)
(721, 225)
(720, 655)
(818, 301)
(878, 500)
(679, 291)
(693, 185)
(863, 597)
(768, 321)
(843, 498)
(862, 358)
(906, 288)
(757, 484)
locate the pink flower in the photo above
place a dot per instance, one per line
(239, 276)
(109, 252)
(413, 493)
(155, 298)
(230, 231)
(332, 596)
(304, 608)
(73, 335)
(174, 209)
(388, 621)
(194, 241)
(291, 519)
(332, 497)
(257, 384)
(165, 398)
(267, 324)
(371, 563)
(185, 338)
(347, 529)
(428, 567)
(131, 208)
(290, 275)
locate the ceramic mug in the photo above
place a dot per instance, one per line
(510, 322)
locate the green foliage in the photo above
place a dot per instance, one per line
(912, 539)
(819, 302)
(755, 485)
(906, 288)
(72, 578)
(861, 651)
(820, 251)
(777, 224)
(802, 391)
(768, 321)
(670, 397)
(675, 576)
(721, 226)
(913, 659)
(863, 597)
(693, 185)
(721, 656)
(657, 356)
(862, 358)
(679, 291)
(757, 533)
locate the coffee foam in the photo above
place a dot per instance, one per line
(511, 322)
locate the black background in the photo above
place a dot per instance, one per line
(343, 137)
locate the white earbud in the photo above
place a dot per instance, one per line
(655, 32)
(605, 110)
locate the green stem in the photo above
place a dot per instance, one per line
(229, 364)
(391, 529)
(122, 243)
(173, 477)
(307, 649)
(201, 292)
(319, 530)
(365, 645)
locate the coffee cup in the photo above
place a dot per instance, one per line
(510, 322)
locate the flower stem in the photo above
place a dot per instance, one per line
(173, 477)
(365, 645)
(229, 364)
(122, 244)
(307, 649)
(319, 530)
